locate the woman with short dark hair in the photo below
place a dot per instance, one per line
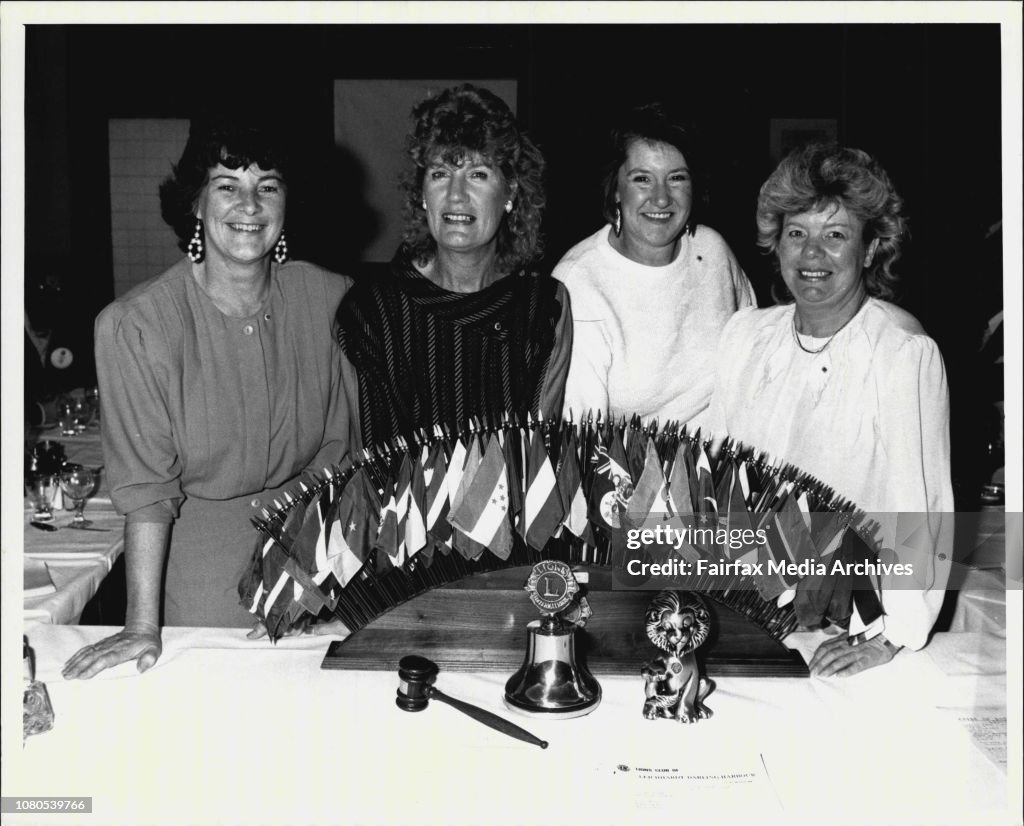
(221, 383)
(845, 385)
(652, 289)
(460, 328)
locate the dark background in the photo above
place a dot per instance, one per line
(923, 99)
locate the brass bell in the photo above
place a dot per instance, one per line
(550, 682)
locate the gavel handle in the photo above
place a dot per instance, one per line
(487, 718)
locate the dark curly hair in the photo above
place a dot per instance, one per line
(210, 142)
(817, 176)
(652, 123)
(467, 120)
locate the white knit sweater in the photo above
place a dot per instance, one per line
(645, 338)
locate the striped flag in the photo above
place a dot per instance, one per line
(436, 498)
(254, 589)
(403, 490)
(542, 508)
(464, 544)
(463, 478)
(415, 521)
(482, 513)
(679, 499)
(570, 488)
(453, 478)
(648, 498)
(269, 600)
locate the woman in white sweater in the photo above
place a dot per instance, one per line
(652, 289)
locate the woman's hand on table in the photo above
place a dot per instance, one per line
(838, 658)
(140, 642)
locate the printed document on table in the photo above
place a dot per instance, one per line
(738, 785)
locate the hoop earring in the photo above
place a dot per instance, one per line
(195, 246)
(281, 249)
(618, 221)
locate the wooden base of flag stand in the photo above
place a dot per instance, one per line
(479, 624)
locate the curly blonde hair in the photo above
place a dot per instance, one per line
(817, 176)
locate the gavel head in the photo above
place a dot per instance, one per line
(415, 677)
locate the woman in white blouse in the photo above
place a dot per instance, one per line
(652, 288)
(844, 384)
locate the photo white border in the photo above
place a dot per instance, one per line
(14, 15)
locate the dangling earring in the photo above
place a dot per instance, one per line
(424, 204)
(618, 221)
(195, 246)
(508, 205)
(281, 249)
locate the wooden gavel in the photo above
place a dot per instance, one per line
(416, 688)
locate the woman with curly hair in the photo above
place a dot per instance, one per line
(460, 327)
(842, 383)
(221, 384)
(653, 287)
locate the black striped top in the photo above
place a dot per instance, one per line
(427, 356)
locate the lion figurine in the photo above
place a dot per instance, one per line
(678, 623)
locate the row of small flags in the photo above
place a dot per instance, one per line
(492, 489)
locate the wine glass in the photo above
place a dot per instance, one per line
(41, 488)
(78, 484)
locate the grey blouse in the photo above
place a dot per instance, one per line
(197, 403)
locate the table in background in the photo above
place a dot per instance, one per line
(224, 731)
(78, 561)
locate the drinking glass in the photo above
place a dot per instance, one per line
(83, 413)
(66, 417)
(41, 487)
(92, 395)
(78, 484)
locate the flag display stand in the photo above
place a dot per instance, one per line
(478, 624)
(424, 546)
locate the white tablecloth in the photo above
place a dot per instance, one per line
(78, 561)
(229, 731)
